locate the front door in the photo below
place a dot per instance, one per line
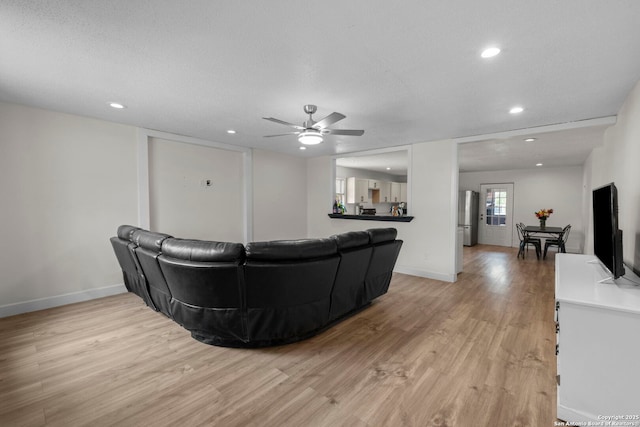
(496, 214)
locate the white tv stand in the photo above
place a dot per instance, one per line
(598, 342)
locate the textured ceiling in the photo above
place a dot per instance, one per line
(405, 72)
(550, 149)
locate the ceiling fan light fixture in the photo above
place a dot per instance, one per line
(310, 137)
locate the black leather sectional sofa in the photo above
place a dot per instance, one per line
(267, 293)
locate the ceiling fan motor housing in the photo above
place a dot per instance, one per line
(310, 109)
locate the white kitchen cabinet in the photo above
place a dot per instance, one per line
(385, 192)
(597, 344)
(357, 190)
(374, 184)
(396, 192)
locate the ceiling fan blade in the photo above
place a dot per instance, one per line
(351, 132)
(282, 122)
(281, 134)
(329, 120)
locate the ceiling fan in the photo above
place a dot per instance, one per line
(311, 132)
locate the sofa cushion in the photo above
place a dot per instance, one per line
(351, 239)
(379, 235)
(291, 250)
(203, 250)
(149, 239)
(125, 232)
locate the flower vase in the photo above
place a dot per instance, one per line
(543, 223)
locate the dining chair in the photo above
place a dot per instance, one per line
(526, 240)
(560, 242)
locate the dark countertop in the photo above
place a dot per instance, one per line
(404, 218)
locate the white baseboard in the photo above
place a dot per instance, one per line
(576, 417)
(574, 250)
(58, 300)
(426, 274)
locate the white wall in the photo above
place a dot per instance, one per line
(541, 188)
(66, 183)
(180, 205)
(279, 196)
(619, 161)
(429, 240)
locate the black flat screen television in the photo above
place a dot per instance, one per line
(607, 237)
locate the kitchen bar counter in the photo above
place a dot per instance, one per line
(404, 218)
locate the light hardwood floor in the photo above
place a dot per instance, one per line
(478, 352)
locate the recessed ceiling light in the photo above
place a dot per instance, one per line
(516, 110)
(530, 139)
(116, 105)
(388, 169)
(303, 148)
(538, 164)
(490, 52)
(231, 131)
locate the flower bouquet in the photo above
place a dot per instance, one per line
(542, 215)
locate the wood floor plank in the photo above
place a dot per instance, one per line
(479, 351)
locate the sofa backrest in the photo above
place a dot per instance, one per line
(355, 255)
(379, 236)
(121, 244)
(288, 287)
(385, 253)
(289, 272)
(147, 250)
(202, 273)
(124, 248)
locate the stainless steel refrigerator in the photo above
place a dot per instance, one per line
(468, 216)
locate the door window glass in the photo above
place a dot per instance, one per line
(496, 206)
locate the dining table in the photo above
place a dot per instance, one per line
(550, 232)
(544, 232)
